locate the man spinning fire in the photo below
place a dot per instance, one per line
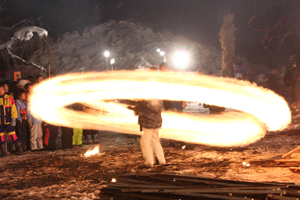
(150, 121)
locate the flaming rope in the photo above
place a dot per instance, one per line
(263, 108)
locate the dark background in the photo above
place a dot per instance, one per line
(267, 30)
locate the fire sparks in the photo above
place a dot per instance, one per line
(93, 152)
(183, 147)
(114, 180)
(246, 164)
(262, 108)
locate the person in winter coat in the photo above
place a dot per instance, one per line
(36, 132)
(239, 68)
(78, 131)
(91, 136)
(8, 115)
(39, 78)
(22, 123)
(6, 86)
(50, 133)
(291, 79)
(150, 121)
(67, 138)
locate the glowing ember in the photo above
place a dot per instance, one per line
(114, 180)
(183, 147)
(93, 152)
(262, 108)
(246, 164)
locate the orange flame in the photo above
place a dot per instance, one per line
(263, 108)
(93, 152)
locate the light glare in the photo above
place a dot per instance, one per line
(266, 109)
(106, 54)
(181, 59)
(112, 61)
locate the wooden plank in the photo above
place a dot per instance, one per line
(134, 181)
(295, 168)
(139, 187)
(208, 191)
(282, 197)
(134, 196)
(213, 196)
(220, 180)
(291, 152)
(288, 160)
(292, 193)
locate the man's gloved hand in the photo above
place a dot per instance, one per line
(134, 109)
(30, 124)
(130, 107)
(13, 122)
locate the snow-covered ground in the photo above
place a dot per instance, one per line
(66, 174)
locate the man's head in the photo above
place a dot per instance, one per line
(153, 69)
(2, 90)
(164, 67)
(22, 94)
(39, 78)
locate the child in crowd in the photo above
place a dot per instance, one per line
(67, 138)
(91, 136)
(6, 86)
(77, 132)
(77, 137)
(28, 87)
(39, 78)
(36, 132)
(22, 119)
(8, 115)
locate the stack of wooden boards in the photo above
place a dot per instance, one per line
(168, 185)
(290, 159)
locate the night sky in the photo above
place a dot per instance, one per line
(275, 22)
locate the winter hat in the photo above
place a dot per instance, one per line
(22, 83)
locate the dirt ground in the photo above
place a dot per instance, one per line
(66, 174)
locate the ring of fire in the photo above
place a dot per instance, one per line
(262, 109)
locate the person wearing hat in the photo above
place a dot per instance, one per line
(22, 83)
(291, 79)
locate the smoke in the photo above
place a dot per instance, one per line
(227, 43)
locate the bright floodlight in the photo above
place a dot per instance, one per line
(162, 53)
(112, 61)
(181, 59)
(106, 54)
(158, 50)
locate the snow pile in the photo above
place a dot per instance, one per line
(25, 33)
(131, 43)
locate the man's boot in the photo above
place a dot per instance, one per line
(3, 149)
(19, 149)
